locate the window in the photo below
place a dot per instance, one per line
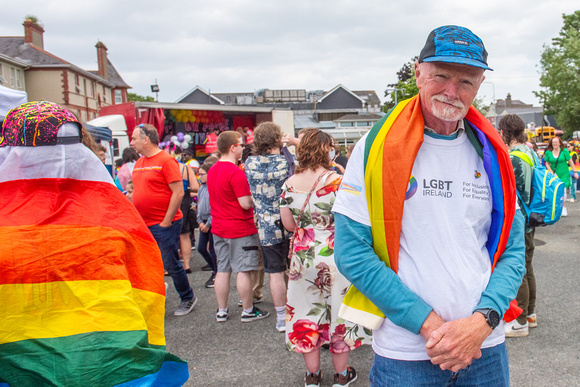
(12, 77)
(116, 147)
(77, 83)
(118, 96)
(93, 89)
(362, 123)
(19, 79)
(346, 124)
(84, 86)
(2, 80)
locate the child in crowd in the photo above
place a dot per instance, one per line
(129, 191)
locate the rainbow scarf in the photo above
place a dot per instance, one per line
(390, 151)
(82, 293)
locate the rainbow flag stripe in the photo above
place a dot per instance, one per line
(81, 288)
(390, 151)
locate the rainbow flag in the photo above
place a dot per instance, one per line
(390, 151)
(82, 293)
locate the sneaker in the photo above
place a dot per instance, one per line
(185, 307)
(206, 268)
(532, 321)
(255, 314)
(210, 282)
(515, 329)
(564, 211)
(254, 301)
(221, 316)
(341, 380)
(281, 325)
(312, 380)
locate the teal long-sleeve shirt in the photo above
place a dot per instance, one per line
(357, 261)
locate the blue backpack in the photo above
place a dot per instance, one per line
(547, 193)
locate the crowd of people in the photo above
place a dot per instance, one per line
(343, 239)
(259, 209)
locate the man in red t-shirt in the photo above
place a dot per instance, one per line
(157, 195)
(235, 234)
(211, 141)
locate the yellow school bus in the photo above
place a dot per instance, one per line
(545, 133)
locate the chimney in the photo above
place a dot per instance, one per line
(33, 33)
(508, 101)
(102, 60)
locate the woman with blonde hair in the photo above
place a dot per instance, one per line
(315, 287)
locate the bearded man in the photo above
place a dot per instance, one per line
(427, 229)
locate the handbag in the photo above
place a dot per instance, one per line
(291, 244)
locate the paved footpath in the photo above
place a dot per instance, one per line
(253, 354)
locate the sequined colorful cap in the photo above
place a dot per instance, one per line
(36, 124)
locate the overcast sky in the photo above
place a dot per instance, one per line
(246, 45)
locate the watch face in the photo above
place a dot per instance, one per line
(493, 318)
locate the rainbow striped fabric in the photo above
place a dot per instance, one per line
(82, 293)
(390, 151)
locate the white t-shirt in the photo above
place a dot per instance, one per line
(446, 218)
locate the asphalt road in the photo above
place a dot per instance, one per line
(253, 354)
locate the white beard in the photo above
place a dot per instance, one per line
(448, 113)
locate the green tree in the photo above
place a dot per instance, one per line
(405, 88)
(32, 18)
(560, 75)
(140, 98)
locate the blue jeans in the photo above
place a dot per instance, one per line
(206, 249)
(167, 239)
(492, 369)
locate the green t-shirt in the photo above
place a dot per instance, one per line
(562, 168)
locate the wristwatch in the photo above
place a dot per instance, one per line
(491, 316)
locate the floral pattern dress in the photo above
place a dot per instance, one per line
(316, 287)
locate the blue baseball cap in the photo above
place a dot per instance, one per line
(454, 44)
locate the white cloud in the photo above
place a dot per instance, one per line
(244, 45)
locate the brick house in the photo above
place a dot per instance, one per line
(51, 78)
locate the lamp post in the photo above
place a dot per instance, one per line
(394, 89)
(155, 89)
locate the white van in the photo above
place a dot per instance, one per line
(115, 122)
(9, 99)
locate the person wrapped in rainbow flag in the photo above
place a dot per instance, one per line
(81, 277)
(427, 230)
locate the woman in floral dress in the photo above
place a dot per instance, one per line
(316, 288)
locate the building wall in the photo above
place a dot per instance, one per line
(341, 99)
(45, 84)
(284, 118)
(199, 97)
(74, 91)
(82, 95)
(13, 75)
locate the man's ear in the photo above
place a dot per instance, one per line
(417, 74)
